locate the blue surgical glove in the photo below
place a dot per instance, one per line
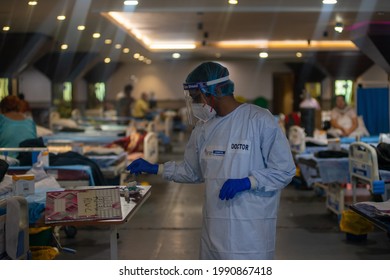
(140, 165)
(232, 186)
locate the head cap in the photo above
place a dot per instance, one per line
(211, 78)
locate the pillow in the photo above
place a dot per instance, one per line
(42, 131)
(10, 160)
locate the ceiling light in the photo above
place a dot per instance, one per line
(33, 3)
(233, 2)
(96, 35)
(81, 27)
(126, 50)
(130, 3)
(141, 58)
(172, 46)
(107, 41)
(332, 2)
(6, 28)
(298, 54)
(176, 55)
(61, 17)
(148, 61)
(107, 60)
(122, 21)
(136, 55)
(118, 46)
(287, 45)
(242, 44)
(64, 46)
(263, 54)
(339, 27)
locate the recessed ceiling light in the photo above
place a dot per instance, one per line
(96, 35)
(141, 58)
(136, 55)
(107, 60)
(118, 46)
(233, 2)
(61, 17)
(148, 61)
(64, 46)
(263, 54)
(33, 3)
(126, 50)
(176, 55)
(107, 41)
(81, 27)
(6, 28)
(298, 54)
(130, 3)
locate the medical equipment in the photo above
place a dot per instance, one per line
(363, 168)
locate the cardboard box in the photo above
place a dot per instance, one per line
(91, 204)
(24, 184)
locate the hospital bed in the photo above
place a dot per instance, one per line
(332, 176)
(111, 161)
(348, 179)
(327, 170)
(66, 175)
(363, 169)
(92, 137)
(111, 164)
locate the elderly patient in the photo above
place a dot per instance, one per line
(344, 121)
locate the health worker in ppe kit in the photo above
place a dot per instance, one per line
(243, 157)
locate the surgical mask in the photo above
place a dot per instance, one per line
(206, 112)
(202, 111)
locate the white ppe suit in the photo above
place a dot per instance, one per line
(246, 142)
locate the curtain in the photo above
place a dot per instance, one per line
(373, 105)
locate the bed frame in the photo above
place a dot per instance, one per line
(363, 168)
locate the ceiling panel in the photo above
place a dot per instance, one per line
(166, 20)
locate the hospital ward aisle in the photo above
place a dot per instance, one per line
(168, 224)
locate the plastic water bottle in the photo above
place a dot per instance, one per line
(44, 158)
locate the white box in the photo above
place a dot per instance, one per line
(24, 184)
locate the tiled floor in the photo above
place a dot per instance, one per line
(167, 227)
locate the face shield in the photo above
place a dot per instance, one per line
(193, 97)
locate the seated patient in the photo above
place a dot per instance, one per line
(14, 125)
(344, 121)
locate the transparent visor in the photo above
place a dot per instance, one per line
(193, 92)
(190, 115)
